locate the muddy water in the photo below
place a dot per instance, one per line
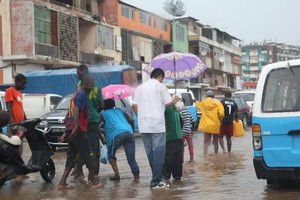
(213, 177)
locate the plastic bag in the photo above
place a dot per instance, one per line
(238, 128)
(104, 155)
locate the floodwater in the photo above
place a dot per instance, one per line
(222, 176)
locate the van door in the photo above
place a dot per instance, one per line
(280, 118)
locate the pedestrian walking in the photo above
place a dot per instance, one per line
(174, 145)
(119, 133)
(226, 129)
(212, 115)
(149, 104)
(14, 104)
(76, 131)
(95, 105)
(187, 123)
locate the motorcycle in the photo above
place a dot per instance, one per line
(12, 164)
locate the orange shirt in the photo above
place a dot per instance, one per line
(15, 97)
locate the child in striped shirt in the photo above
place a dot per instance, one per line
(187, 120)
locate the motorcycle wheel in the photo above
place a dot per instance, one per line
(48, 171)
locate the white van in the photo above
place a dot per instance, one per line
(2, 101)
(276, 123)
(35, 105)
(188, 97)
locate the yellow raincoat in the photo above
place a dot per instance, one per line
(212, 115)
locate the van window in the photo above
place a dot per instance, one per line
(187, 98)
(64, 103)
(281, 92)
(54, 100)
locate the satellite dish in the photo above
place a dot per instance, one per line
(222, 59)
(175, 7)
(203, 53)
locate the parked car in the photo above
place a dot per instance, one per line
(54, 124)
(243, 109)
(35, 105)
(248, 96)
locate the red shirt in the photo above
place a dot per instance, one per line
(15, 97)
(80, 99)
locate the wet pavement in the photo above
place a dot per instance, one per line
(212, 177)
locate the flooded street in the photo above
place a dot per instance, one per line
(222, 176)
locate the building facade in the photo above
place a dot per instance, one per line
(54, 34)
(220, 52)
(144, 34)
(256, 55)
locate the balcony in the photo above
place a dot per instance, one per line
(46, 50)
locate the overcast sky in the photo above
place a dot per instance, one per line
(248, 20)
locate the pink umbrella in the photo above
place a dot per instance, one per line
(117, 91)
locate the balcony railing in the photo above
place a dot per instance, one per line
(46, 50)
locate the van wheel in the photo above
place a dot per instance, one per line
(48, 171)
(244, 120)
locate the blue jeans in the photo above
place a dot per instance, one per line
(155, 145)
(126, 140)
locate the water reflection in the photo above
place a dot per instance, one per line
(213, 177)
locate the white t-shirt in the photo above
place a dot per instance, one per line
(151, 98)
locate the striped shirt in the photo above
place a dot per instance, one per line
(187, 121)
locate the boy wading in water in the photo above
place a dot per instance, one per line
(76, 129)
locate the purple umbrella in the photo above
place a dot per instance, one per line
(177, 66)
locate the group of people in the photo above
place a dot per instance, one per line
(217, 120)
(87, 109)
(164, 122)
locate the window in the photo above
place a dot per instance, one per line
(281, 92)
(42, 22)
(106, 37)
(54, 100)
(127, 12)
(162, 25)
(179, 33)
(145, 18)
(89, 5)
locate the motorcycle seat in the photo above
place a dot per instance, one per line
(14, 140)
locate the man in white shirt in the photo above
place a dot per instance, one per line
(149, 104)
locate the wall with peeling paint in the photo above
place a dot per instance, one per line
(22, 28)
(6, 30)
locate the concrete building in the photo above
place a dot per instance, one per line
(221, 53)
(52, 34)
(257, 55)
(144, 34)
